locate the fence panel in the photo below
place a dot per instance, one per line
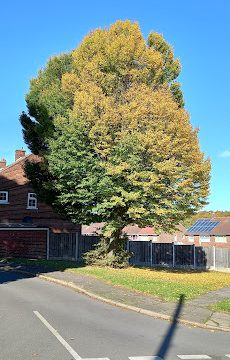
(221, 258)
(184, 255)
(62, 246)
(201, 260)
(144, 253)
(162, 254)
(209, 254)
(86, 243)
(141, 251)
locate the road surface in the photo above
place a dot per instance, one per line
(43, 321)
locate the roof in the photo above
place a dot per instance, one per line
(132, 229)
(148, 230)
(92, 229)
(18, 225)
(23, 158)
(213, 226)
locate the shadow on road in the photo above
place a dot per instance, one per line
(165, 345)
(15, 270)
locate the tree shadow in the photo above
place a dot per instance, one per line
(164, 269)
(165, 345)
(13, 269)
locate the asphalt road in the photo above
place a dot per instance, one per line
(44, 321)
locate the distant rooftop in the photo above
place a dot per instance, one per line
(213, 226)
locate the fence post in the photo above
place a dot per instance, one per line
(128, 250)
(214, 257)
(151, 253)
(48, 245)
(173, 253)
(194, 256)
(76, 249)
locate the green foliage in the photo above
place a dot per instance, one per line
(116, 142)
(177, 93)
(171, 67)
(45, 101)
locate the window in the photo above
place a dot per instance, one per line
(3, 197)
(191, 238)
(32, 201)
(204, 238)
(220, 239)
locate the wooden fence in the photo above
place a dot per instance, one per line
(63, 246)
(69, 246)
(144, 253)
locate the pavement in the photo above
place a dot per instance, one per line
(196, 313)
(41, 320)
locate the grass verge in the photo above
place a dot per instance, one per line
(166, 284)
(223, 305)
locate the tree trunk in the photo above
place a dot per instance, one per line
(115, 242)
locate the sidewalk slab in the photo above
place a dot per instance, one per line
(212, 297)
(219, 320)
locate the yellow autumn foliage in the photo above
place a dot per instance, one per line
(136, 156)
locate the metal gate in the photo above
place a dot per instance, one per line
(63, 246)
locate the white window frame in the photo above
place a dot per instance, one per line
(191, 238)
(205, 238)
(32, 197)
(221, 239)
(6, 193)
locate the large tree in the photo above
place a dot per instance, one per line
(117, 145)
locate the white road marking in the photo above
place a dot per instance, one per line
(58, 336)
(145, 358)
(194, 357)
(77, 357)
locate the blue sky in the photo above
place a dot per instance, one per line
(199, 31)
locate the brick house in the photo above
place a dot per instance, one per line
(25, 223)
(213, 232)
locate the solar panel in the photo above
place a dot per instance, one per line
(203, 226)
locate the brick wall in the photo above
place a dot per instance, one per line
(212, 242)
(23, 243)
(13, 180)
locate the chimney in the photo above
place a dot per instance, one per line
(2, 164)
(19, 154)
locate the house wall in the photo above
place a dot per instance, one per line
(147, 238)
(212, 242)
(23, 243)
(13, 180)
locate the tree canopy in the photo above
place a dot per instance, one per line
(117, 145)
